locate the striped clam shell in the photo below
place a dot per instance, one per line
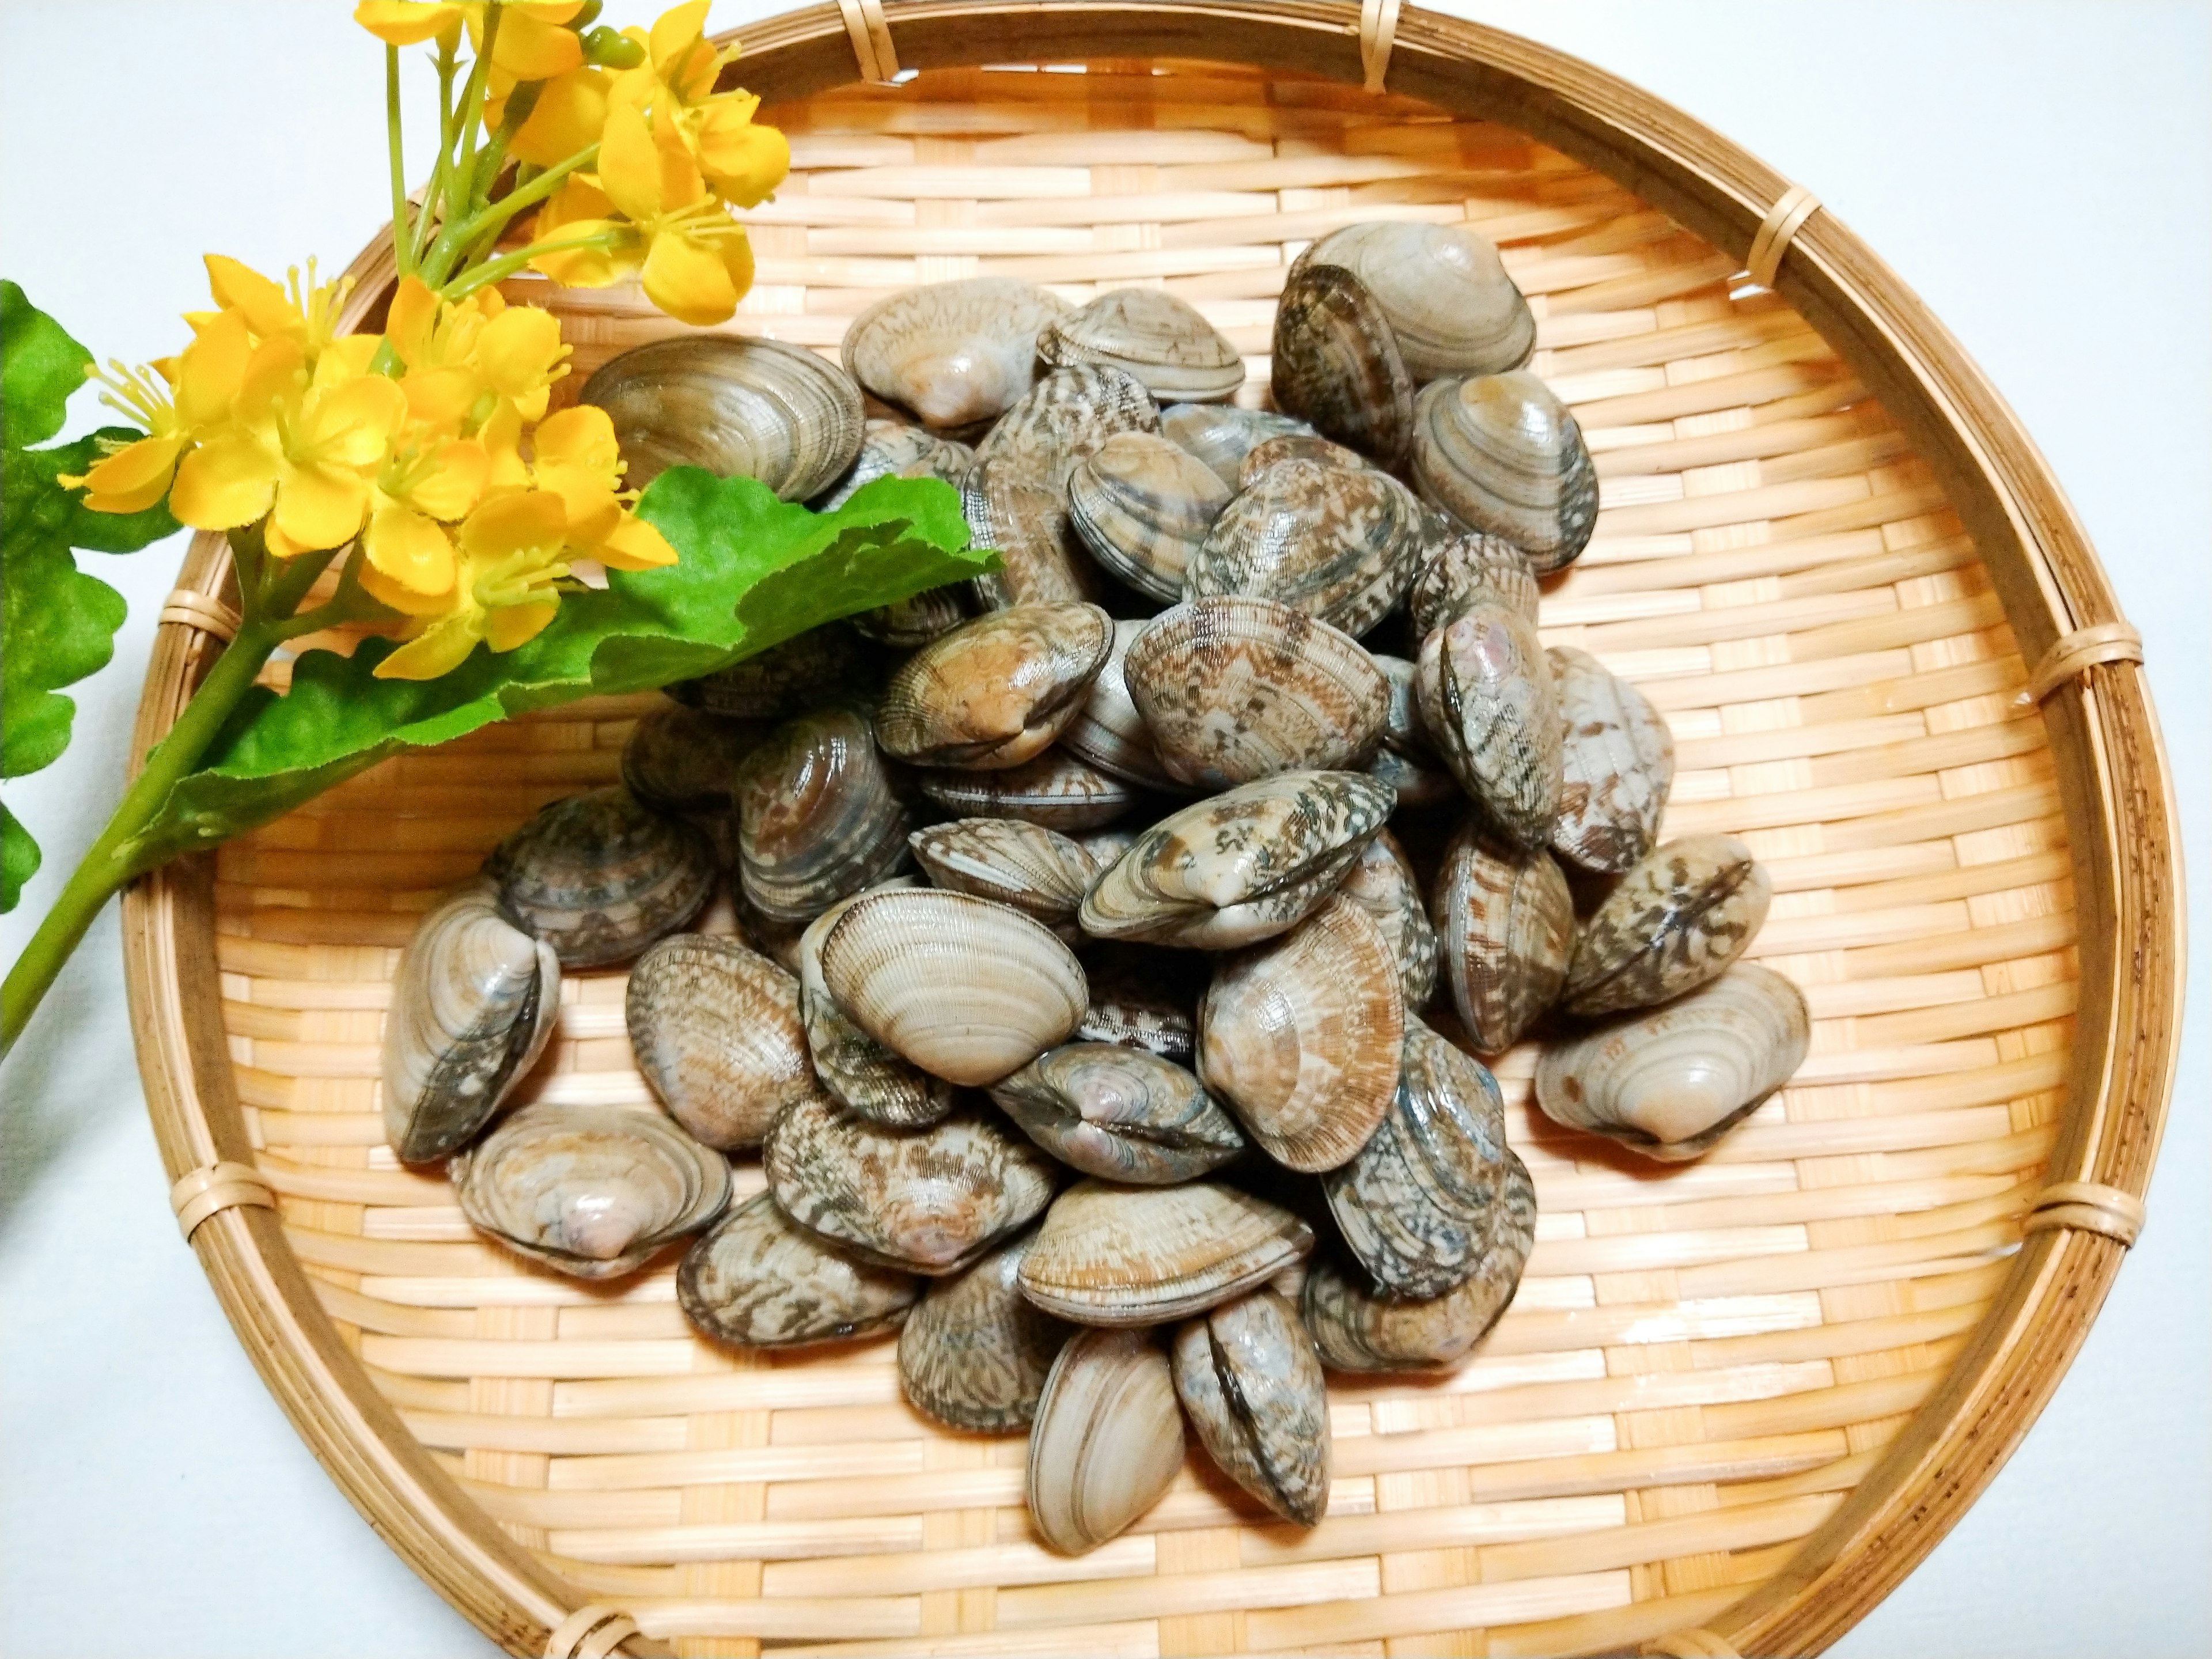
(995, 691)
(1488, 704)
(1024, 518)
(684, 760)
(1120, 1113)
(1164, 341)
(1064, 417)
(1341, 543)
(1468, 568)
(784, 680)
(1295, 447)
(1056, 791)
(954, 353)
(975, 1353)
(1381, 882)
(1618, 763)
(892, 449)
(1451, 308)
(1142, 505)
(1336, 364)
(1142, 998)
(758, 1281)
(1505, 919)
(1110, 733)
(1501, 454)
(1039, 872)
(819, 815)
(1407, 763)
(851, 1065)
(598, 876)
(1222, 435)
(1140, 1256)
(1249, 1378)
(716, 1030)
(1108, 1439)
(1677, 919)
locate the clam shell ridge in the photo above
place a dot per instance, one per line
(1249, 1378)
(1108, 1439)
(1039, 872)
(1469, 568)
(1139, 1000)
(716, 1030)
(1122, 1113)
(1110, 732)
(1164, 341)
(892, 449)
(1301, 1036)
(975, 1355)
(1064, 417)
(1023, 517)
(1501, 454)
(995, 691)
(1616, 765)
(1111, 1254)
(819, 815)
(1505, 919)
(1670, 1082)
(1222, 435)
(1678, 919)
(473, 1005)
(1451, 308)
(1143, 505)
(1381, 882)
(1235, 689)
(757, 1281)
(1488, 704)
(1407, 763)
(954, 353)
(1342, 543)
(1335, 364)
(600, 876)
(853, 1066)
(1057, 790)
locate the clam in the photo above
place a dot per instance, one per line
(1222, 435)
(1618, 763)
(924, 1200)
(1335, 364)
(1467, 568)
(716, 1030)
(740, 406)
(1671, 1081)
(1064, 417)
(1025, 519)
(1506, 921)
(1108, 1439)
(1039, 872)
(1501, 454)
(1301, 1036)
(758, 1281)
(600, 876)
(1407, 763)
(917, 619)
(819, 815)
(1239, 868)
(1141, 1255)
(1341, 543)
(975, 1353)
(1056, 791)
(1106, 846)
(1296, 446)
(1381, 882)
(472, 1007)
(995, 691)
(1677, 919)
(682, 760)
(1416, 1206)
(966, 989)
(1234, 688)
(1120, 1113)
(1249, 1377)
(1142, 504)
(851, 1065)
(1110, 732)
(591, 1191)
(954, 353)
(1163, 341)
(1488, 704)
(784, 680)
(1142, 999)
(1451, 308)
(892, 449)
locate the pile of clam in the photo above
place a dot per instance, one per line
(1084, 925)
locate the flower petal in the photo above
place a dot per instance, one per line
(530, 49)
(413, 316)
(352, 424)
(689, 281)
(404, 22)
(568, 117)
(520, 353)
(211, 372)
(635, 545)
(629, 164)
(743, 162)
(227, 481)
(583, 436)
(515, 624)
(450, 485)
(438, 651)
(268, 310)
(534, 520)
(133, 478)
(413, 551)
(318, 506)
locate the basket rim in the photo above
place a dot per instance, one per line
(2122, 821)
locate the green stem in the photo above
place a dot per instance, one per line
(402, 236)
(499, 269)
(460, 177)
(495, 217)
(446, 65)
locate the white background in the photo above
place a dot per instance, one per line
(2038, 173)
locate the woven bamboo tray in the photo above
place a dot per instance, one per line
(1734, 1402)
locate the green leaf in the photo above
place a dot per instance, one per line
(40, 367)
(19, 860)
(60, 627)
(753, 572)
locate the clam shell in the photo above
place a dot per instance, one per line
(472, 1007)
(1407, 763)
(1501, 454)
(1064, 417)
(600, 876)
(717, 1033)
(892, 449)
(1505, 919)
(1120, 1114)
(1469, 568)
(819, 815)
(1107, 1440)
(1150, 333)
(1335, 364)
(1381, 882)
(740, 406)
(995, 691)
(1142, 504)
(1141, 1255)
(1341, 544)
(853, 1066)
(1677, 919)
(1240, 867)
(1451, 308)
(1234, 689)
(1671, 1081)
(1249, 1377)
(955, 352)
(1105, 846)
(1295, 447)
(1301, 1036)
(758, 1281)
(924, 1200)
(917, 619)
(1110, 732)
(1024, 518)
(1616, 765)
(1222, 435)
(1056, 791)
(975, 1353)
(1143, 999)
(784, 680)
(1415, 1206)
(1039, 872)
(683, 760)
(966, 989)
(591, 1191)
(1488, 704)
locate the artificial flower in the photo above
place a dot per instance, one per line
(741, 162)
(511, 556)
(570, 110)
(598, 249)
(697, 263)
(577, 458)
(203, 378)
(307, 314)
(519, 353)
(532, 45)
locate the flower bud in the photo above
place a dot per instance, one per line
(611, 50)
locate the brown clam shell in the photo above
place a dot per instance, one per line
(1164, 341)
(1066, 416)
(1341, 543)
(1677, 919)
(975, 1353)
(1469, 568)
(1222, 435)
(819, 815)
(1501, 454)
(1025, 519)
(1451, 308)
(1381, 882)
(955, 352)
(716, 1030)
(1505, 919)
(1142, 1256)
(756, 1279)
(1488, 704)
(995, 691)
(600, 876)
(1039, 872)
(1107, 1440)
(1618, 763)
(1249, 1378)
(1336, 364)
(685, 760)
(1407, 763)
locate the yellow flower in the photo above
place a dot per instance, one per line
(579, 209)
(682, 60)
(204, 378)
(531, 44)
(520, 354)
(307, 314)
(569, 111)
(510, 559)
(406, 544)
(577, 459)
(697, 263)
(741, 162)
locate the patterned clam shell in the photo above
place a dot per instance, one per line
(1381, 882)
(1140, 1256)
(1110, 733)
(892, 449)
(757, 1281)
(473, 1005)
(1505, 920)
(600, 876)
(1407, 763)
(1618, 763)
(1165, 342)
(854, 1067)
(1677, 919)
(1143, 505)
(1502, 455)
(717, 1033)
(904, 624)
(1249, 1377)
(1120, 1114)
(1240, 867)
(1222, 435)
(1142, 998)
(1064, 417)
(1023, 517)
(819, 815)
(1336, 364)
(1671, 1081)
(1488, 704)
(1039, 872)
(1451, 308)
(684, 760)
(1469, 568)
(1056, 791)
(954, 353)
(975, 1353)
(995, 691)
(1339, 543)
(1108, 1439)
(1415, 1207)
(920, 1200)
(784, 680)
(1295, 447)
(1234, 688)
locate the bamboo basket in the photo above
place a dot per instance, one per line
(1734, 1402)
